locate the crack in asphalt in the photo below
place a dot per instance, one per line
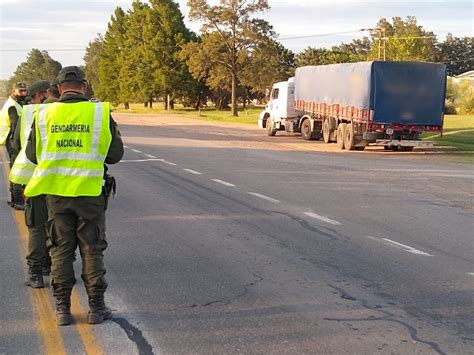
(389, 317)
(225, 302)
(135, 335)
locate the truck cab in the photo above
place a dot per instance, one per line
(281, 104)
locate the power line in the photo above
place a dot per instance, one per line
(319, 35)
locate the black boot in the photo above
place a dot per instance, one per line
(63, 311)
(47, 265)
(35, 281)
(98, 312)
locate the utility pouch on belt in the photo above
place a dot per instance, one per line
(109, 188)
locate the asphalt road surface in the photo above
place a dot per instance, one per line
(223, 241)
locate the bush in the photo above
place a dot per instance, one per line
(449, 107)
(467, 105)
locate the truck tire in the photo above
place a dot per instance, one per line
(340, 135)
(270, 131)
(349, 137)
(306, 130)
(407, 149)
(326, 131)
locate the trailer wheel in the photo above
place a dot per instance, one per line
(306, 130)
(270, 131)
(326, 131)
(349, 137)
(340, 135)
(407, 149)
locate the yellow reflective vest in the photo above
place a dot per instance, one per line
(23, 169)
(5, 124)
(72, 142)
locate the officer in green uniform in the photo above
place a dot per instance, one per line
(71, 141)
(36, 214)
(8, 120)
(53, 92)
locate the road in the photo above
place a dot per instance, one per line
(223, 240)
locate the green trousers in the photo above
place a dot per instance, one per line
(36, 215)
(77, 222)
(16, 190)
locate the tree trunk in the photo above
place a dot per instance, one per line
(145, 104)
(151, 103)
(126, 105)
(234, 94)
(171, 104)
(168, 102)
(197, 106)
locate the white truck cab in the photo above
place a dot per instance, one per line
(281, 104)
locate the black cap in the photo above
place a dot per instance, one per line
(38, 86)
(18, 86)
(72, 73)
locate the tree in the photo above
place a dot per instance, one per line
(92, 61)
(111, 58)
(231, 28)
(321, 56)
(407, 41)
(38, 66)
(203, 59)
(358, 50)
(457, 53)
(269, 63)
(165, 34)
(5, 89)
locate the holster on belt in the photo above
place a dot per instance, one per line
(109, 188)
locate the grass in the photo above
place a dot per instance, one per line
(458, 133)
(248, 115)
(458, 129)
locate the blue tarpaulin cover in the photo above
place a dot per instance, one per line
(406, 93)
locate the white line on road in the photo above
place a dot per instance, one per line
(401, 246)
(471, 273)
(264, 197)
(166, 162)
(136, 150)
(150, 156)
(139, 160)
(125, 146)
(322, 218)
(225, 183)
(193, 171)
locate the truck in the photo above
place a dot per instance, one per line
(385, 103)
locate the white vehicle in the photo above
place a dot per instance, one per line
(280, 113)
(355, 104)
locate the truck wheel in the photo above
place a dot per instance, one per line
(340, 135)
(349, 137)
(407, 149)
(326, 132)
(306, 130)
(270, 131)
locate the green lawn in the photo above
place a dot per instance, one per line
(458, 132)
(458, 129)
(248, 115)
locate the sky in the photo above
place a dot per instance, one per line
(64, 27)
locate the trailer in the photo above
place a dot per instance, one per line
(356, 104)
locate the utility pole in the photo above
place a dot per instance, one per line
(380, 33)
(382, 43)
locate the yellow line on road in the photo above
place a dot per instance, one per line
(86, 331)
(41, 301)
